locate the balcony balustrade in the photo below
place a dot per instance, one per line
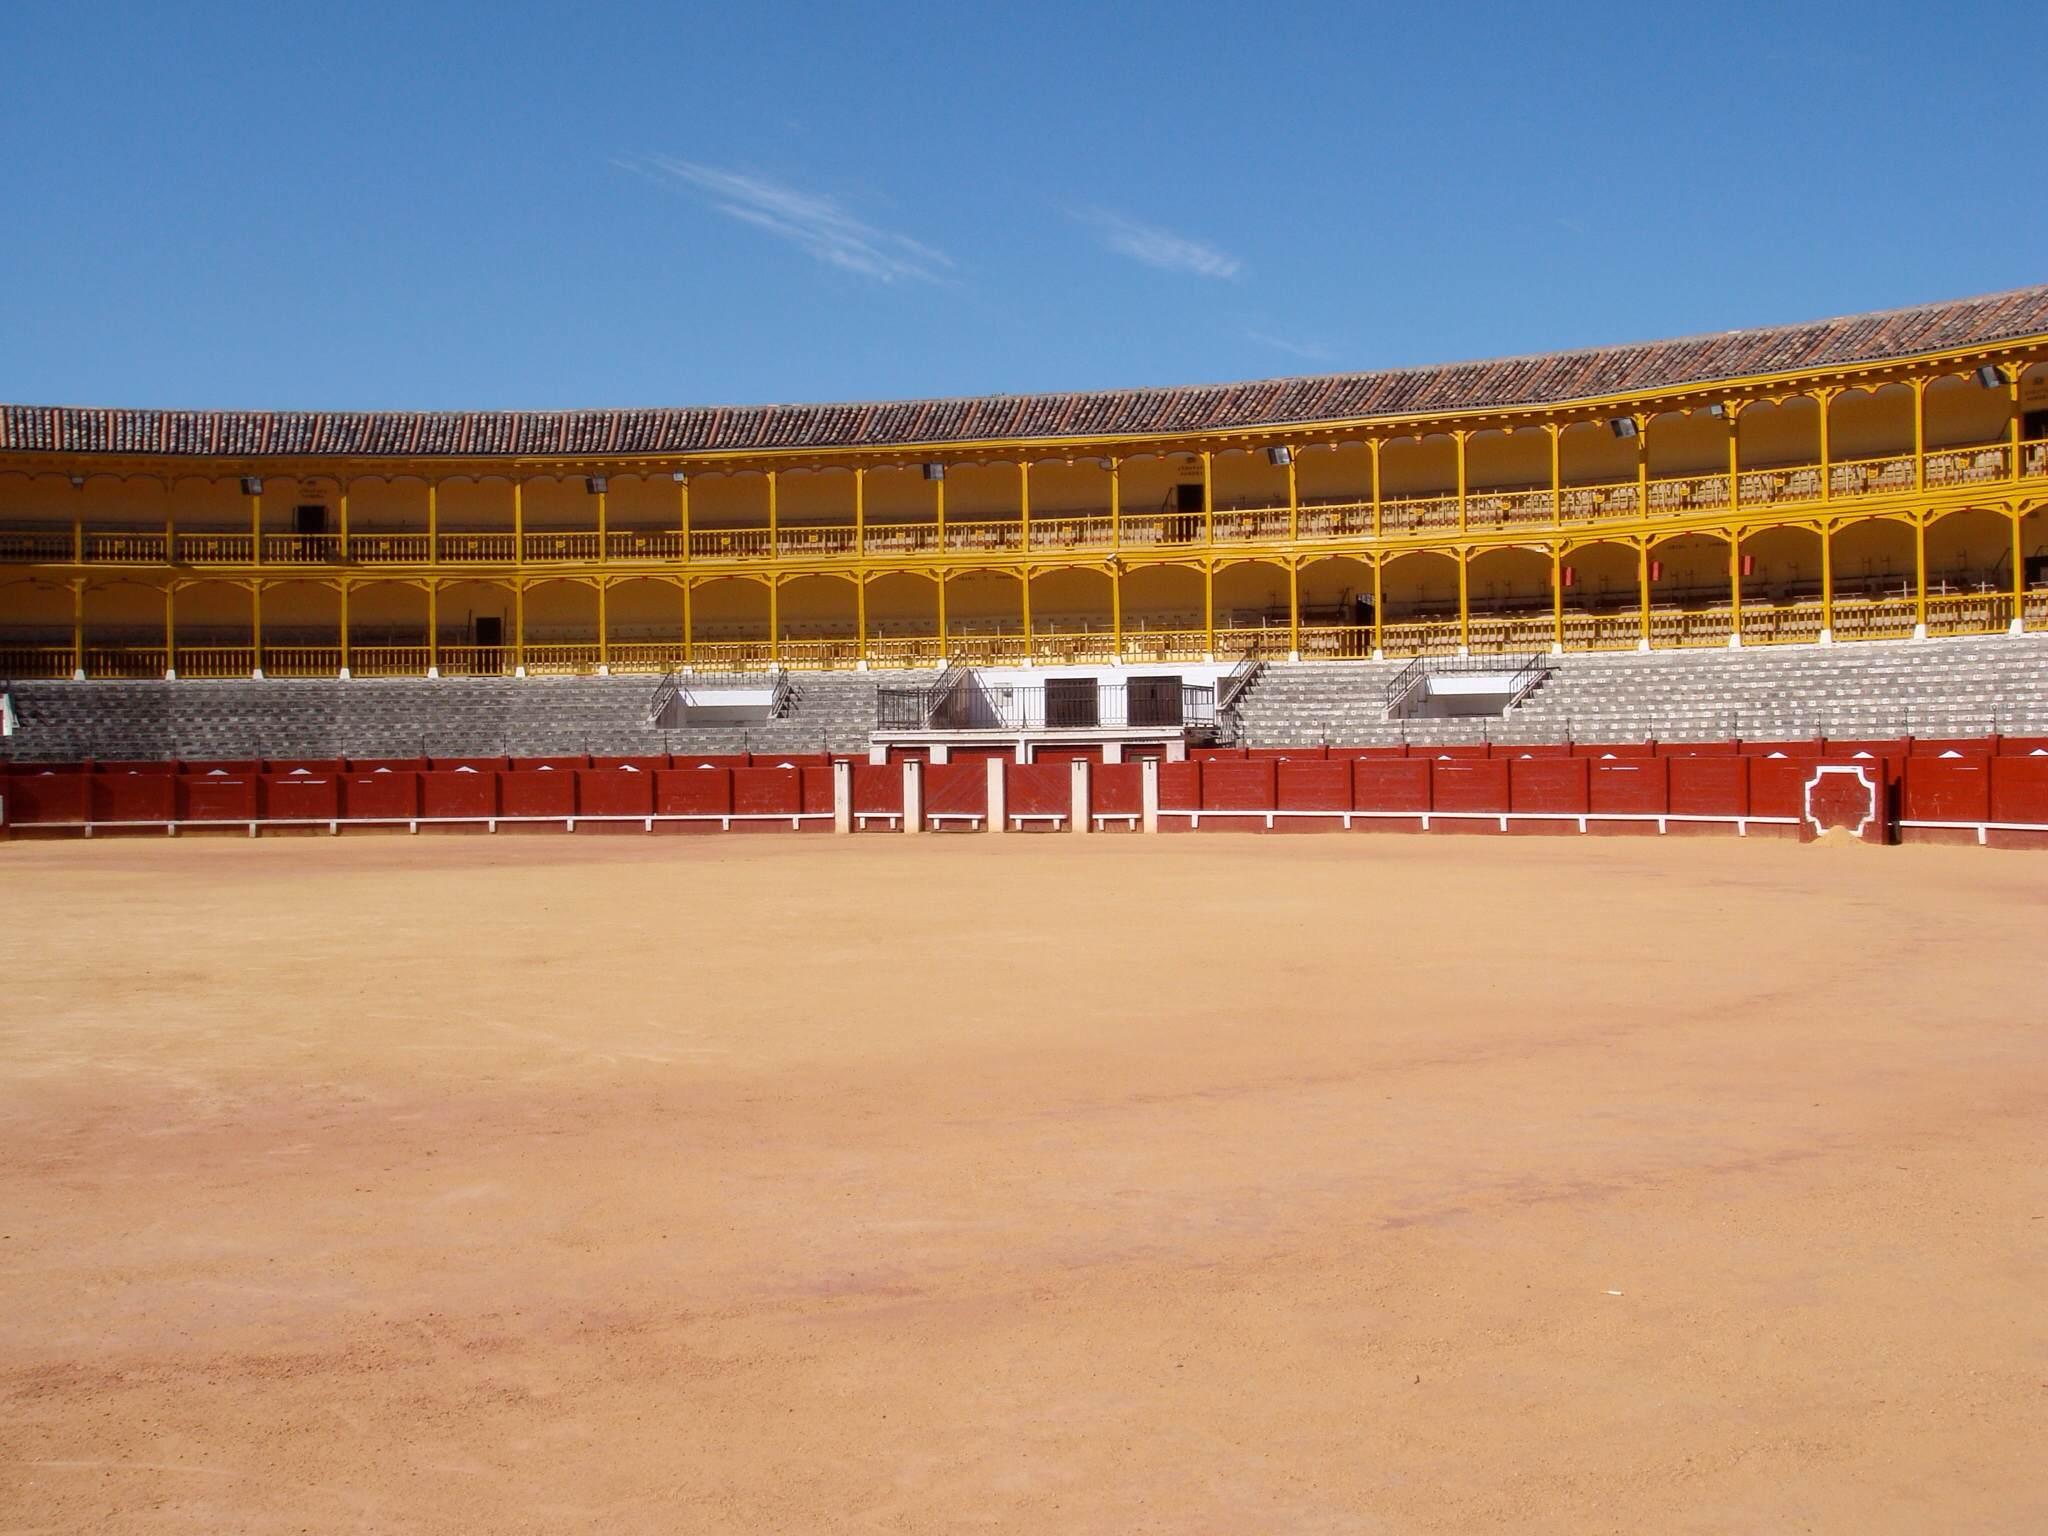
(1312, 519)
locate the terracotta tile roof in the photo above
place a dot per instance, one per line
(1551, 379)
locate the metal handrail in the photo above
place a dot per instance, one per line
(666, 693)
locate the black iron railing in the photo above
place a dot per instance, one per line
(1035, 707)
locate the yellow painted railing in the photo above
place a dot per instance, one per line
(905, 651)
(566, 545)
(1969, 613)
(1410, 514)
(139, 661)
(1336, 642)
(646, 655)
(1419, 637)
(301, 660)
(124, 548)
(388, 548)
(388, 660)
(731, 655)
(1680, 628)
(562, 660)
(1602, 631)
(815, 541)
(36, 661)
(985, 536)
(475, 660)
(1165, 644)
(1516, 634)
(35, 547)
(902, 538)
(1600, 503)
(1267, 641)
(1508, 508)
(837, 654)
(216, 661)
(1095, 532)
(476, 548)
(644, 544)
(310, 548)
(1069, 648)
(1148, 530)
(1334, 520)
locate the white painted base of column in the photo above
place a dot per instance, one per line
(878, 757)
(1294, 655)
(913, 795)
(1556, 649)
(1464, 650)
(1378, 654)
(1826, 637)
(256, 675)
(941, 753)
(1112, 751)
(2017, 627)
(1148, 794)
(343, 674)
(519, 671)
(1919, 631)
(603, 670)
(433, 671)
(842, 796)
(998, 796)
(861, 665)
(1078, 817)
(1643, 647)
(170, 674)
(1735, 642)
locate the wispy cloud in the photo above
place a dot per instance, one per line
(1308, 351)
(811, 221)
(1160, 248)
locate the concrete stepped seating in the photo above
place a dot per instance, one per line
(1925, 688)
(406, 717)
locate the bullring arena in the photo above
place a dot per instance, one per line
(704, 970)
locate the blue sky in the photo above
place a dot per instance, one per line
(469, 206)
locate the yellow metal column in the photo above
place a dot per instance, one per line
(1557, 598)
(604, 521)
(774, 611)
(1556, 472)
(939, 581)
(683, 509)
(1464, 600)
(518, 626)
(860, 512)
(1293, 501)
(860, 618)
(604, 633)
(256, 628)
(1734, 586)
(2013, 470)
(1827, 583)
(1378, 618)
(2018, 623)
(1208, 596)
(342, 505)
(1375, 446)
(1024, 589)
(1116, 507)
(518, 523)
(78, 539)
(1116, 601)
(1643, 586)
(1730, 412)
(255, 499)
(343, 588)
(1642, 466)
(939, 513)
(1919, 577)
(433, 523)
(78, 620)
(433, 628)
(1827, 478)
(1293, 611)
(170, 630)
(1458, 437)
(687, 585)
(1920, 434)
(1024, 513)
(774, 521)
(1208, 502)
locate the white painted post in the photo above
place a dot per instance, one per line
(1080, 819)
(878, 756)
(913, 795)
(941, 753)
(842, 795)
(998, 796)
(1112, 751)
(1148, 793)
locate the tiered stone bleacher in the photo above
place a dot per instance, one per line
(406, 717)
(1939, 688)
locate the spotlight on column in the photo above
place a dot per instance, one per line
(78, 482)
(1717, 410)
(1279, 456)
(595, 485)
(251, 486)
(1623, 427)
(935, 471)
(1990, 377)
(680, 478)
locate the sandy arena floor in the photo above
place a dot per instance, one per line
(1217, 1184)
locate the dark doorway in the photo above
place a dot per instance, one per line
(309, 519)
(490, 631)
(1155, 701)
(1070, 703)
